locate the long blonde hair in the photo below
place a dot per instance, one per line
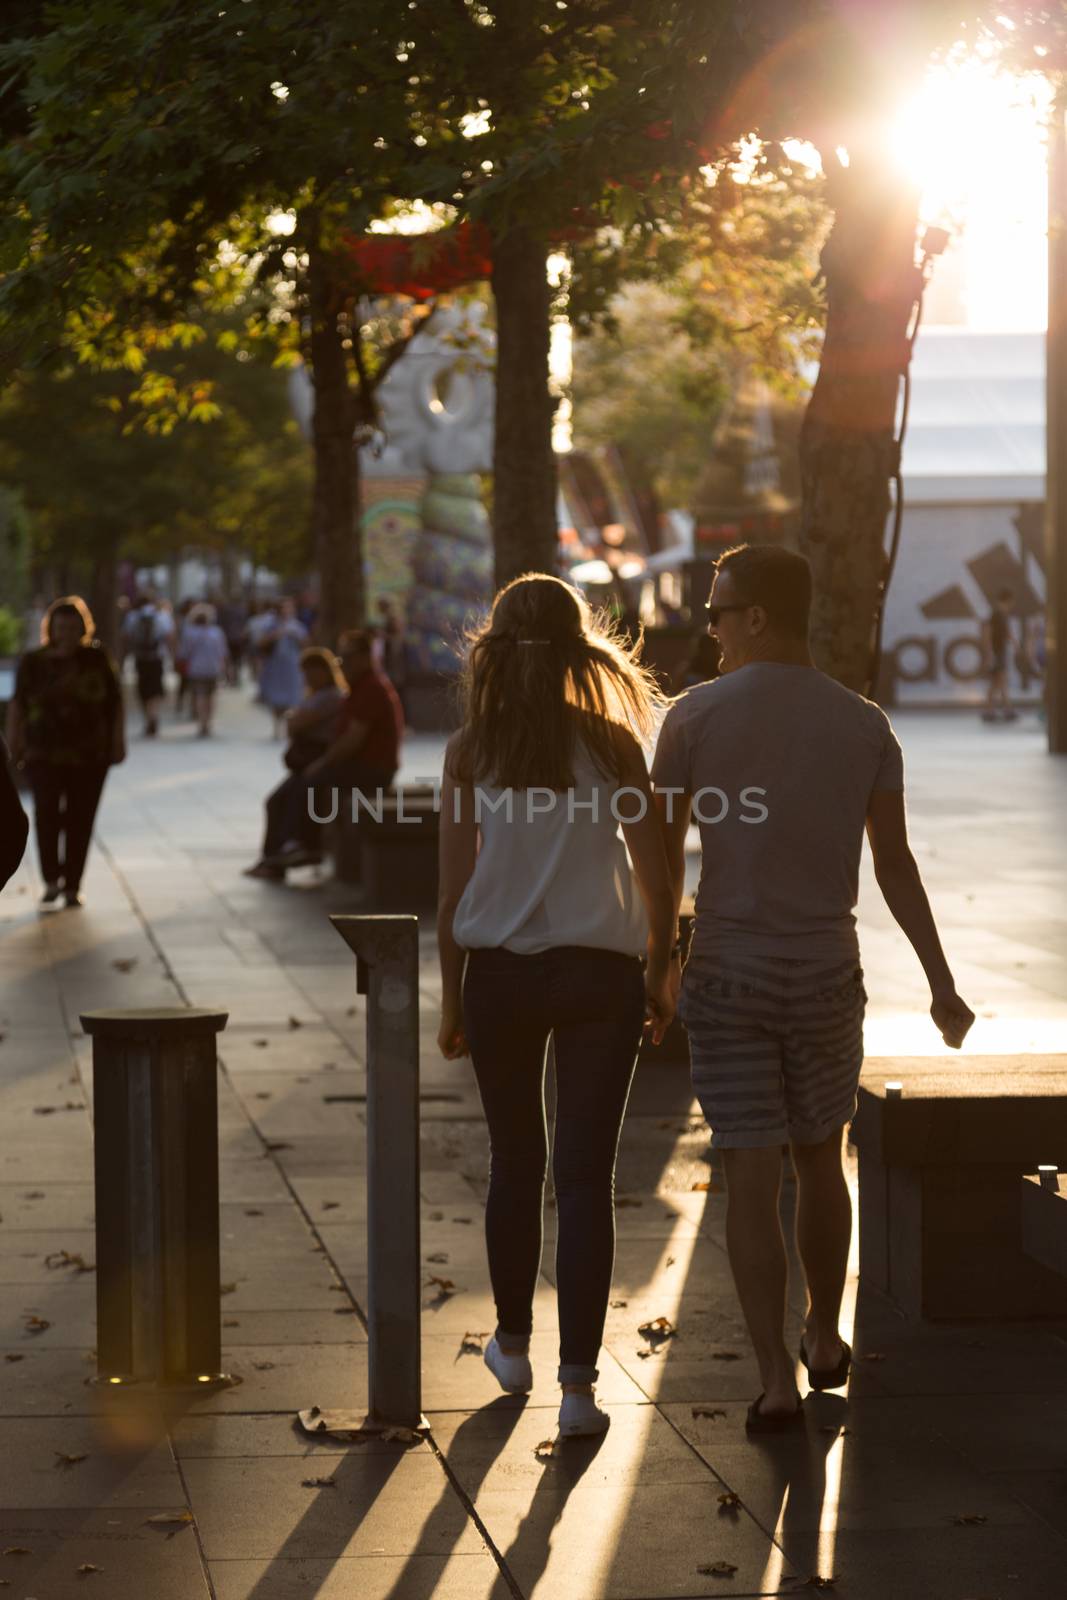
(542, 668)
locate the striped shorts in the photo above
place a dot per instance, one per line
(776, 1045)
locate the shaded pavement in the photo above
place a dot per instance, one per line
(942, 1473)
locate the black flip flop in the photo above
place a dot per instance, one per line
(828, 1377)
(758, 1421)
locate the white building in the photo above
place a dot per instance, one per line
(974, 490)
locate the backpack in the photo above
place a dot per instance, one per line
(145, 638)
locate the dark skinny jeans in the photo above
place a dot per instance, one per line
(65, 799)
(592, 1002)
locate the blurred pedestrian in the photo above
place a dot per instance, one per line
(66, 724)
(146, 634)
(205, 654)
(279, 643)
(311, 728)
(998, 643)
(232, 617)
(14, 824)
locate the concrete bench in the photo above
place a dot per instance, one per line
(395, 858)
(1043, 1219)
(939, 1182)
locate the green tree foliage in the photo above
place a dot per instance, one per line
(730, 295)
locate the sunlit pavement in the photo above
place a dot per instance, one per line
(941, 1473)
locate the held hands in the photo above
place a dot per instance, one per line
(661, 995)
(952, 1017)
(451, 1038)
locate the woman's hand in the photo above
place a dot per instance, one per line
(451, 1038)
(118, 752)
(660, 997)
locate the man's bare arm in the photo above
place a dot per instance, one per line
(901, 884)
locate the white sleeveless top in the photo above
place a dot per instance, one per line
(551, 870)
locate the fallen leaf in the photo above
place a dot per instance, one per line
(86, 1567)
(11, 1356)
(295, 1022)
(264, 1094)
(17, 1550)
(125, 963)
(344, 1311)
(729, 1501)
(63, 1460)
(278, 1144)
(400, 1436)
(461, 1219)
(445, 1286)
(471, 1344)
(969, 1519)
(36, 1324)
(170, 1519)
(263, 1366)
(439, 1258)
(252, 1212)
(718, 1569)
(351, 1011)
(230, 1322)
(330, 1205)
(669, 1261)
(34, 1194)
(318, 1483)
(627, 1200)
(436, 1216)
(700, 1187)
(227, 1288)
(546, 1450)
(707, 1411)
(725, 1355)
(64, 1258)
(658, 1330)
(619, 1305)
(261, 1044)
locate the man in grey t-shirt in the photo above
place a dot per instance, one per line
(782, 769)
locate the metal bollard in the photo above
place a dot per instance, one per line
(387, 972)
(155, 1113)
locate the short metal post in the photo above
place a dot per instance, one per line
(155, 1113)
(387, 972)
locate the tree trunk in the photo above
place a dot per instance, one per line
(103, 602)
(525, 537)
(335, 505)
(847, 448)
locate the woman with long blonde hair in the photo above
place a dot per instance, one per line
(545, 931)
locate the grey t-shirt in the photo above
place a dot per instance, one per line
(788, 759)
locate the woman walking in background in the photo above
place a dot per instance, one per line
(206, 655)
(539, 905)
(66, 724)
(281, 685)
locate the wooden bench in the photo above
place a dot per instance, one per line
(939, 1183)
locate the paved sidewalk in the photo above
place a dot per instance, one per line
(943, 1473)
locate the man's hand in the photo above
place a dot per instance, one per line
(451, 1037)
(952, 1017)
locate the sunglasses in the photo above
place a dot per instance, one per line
(715, 612)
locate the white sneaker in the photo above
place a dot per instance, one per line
(579, 1414)
(512, 1371)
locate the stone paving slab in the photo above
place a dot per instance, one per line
(257, 1507)
(419, 1577)
(130, 1556)
(60, 1463)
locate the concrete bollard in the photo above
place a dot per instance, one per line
(387, 972)
(155, 1114)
